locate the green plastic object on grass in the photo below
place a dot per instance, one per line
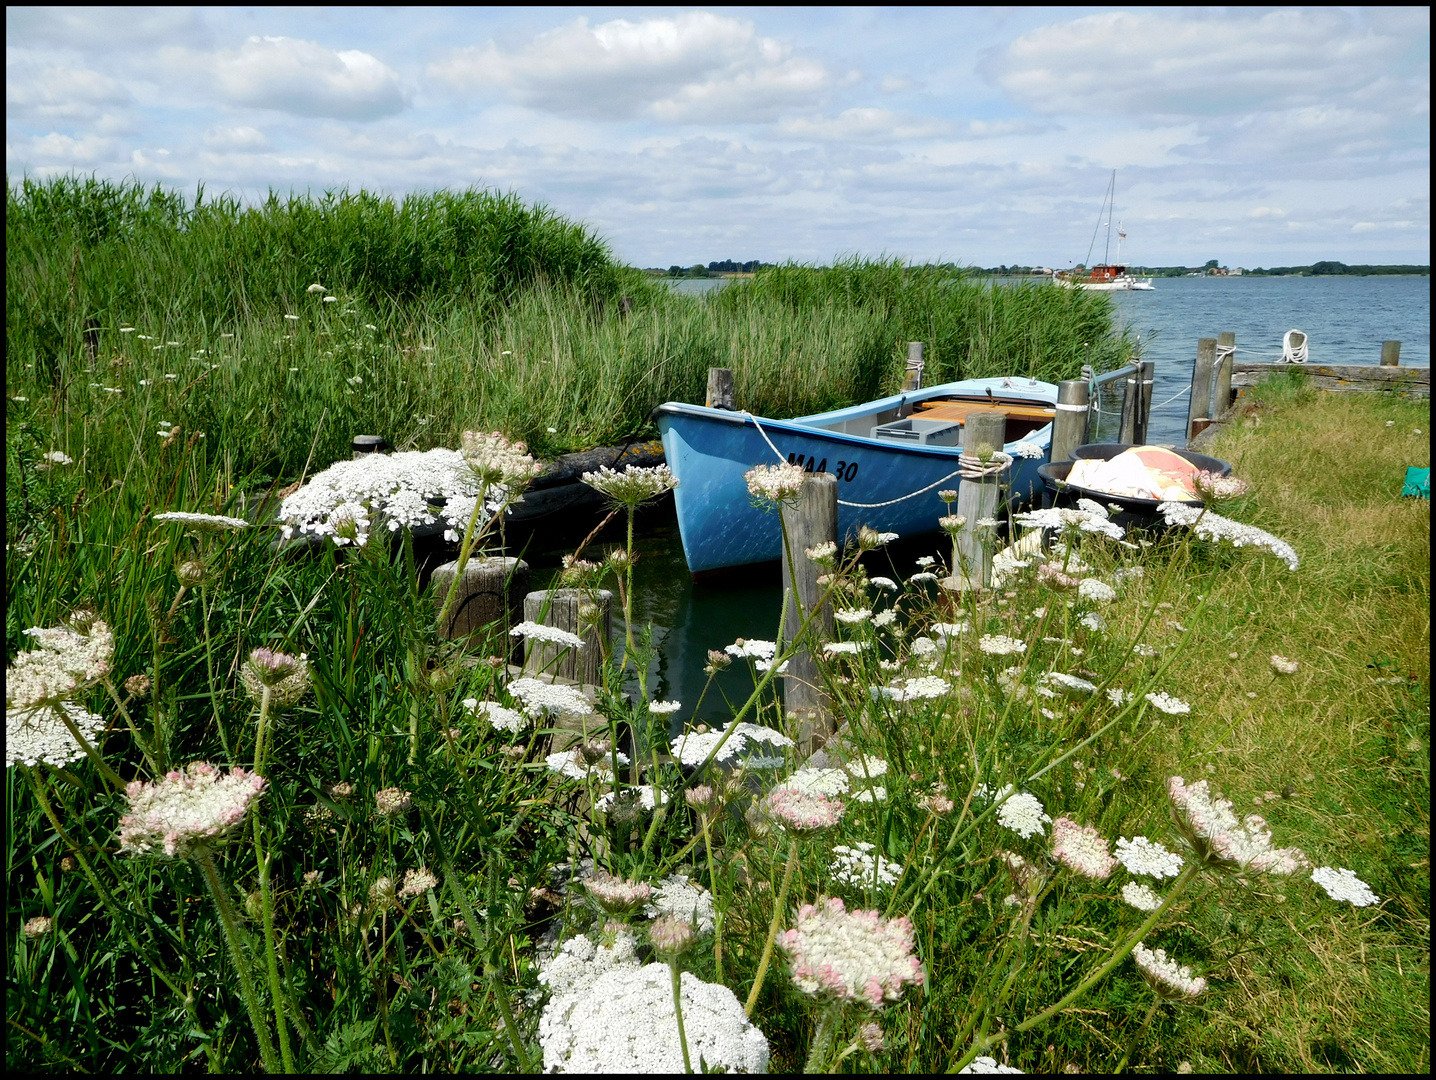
(1418, 483)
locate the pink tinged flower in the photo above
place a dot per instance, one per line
(392, 801)
(616, 895)
(851, 956)
(1167, 978)
(1052, 576)
(774, 483)
(1282, 666)
(1082, 849)
(800, 810)
(670, 935)
(1210, 826)
(188, 812)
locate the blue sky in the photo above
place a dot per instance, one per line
(1256, 137)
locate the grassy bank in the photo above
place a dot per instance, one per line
(448, 311)
(138, 967)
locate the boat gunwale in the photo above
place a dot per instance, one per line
(805, 425)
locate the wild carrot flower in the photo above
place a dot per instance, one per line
(38, 733)
(1141, 897)
(285, 676)
(818, 782)
(1097, 592)
(392, 801)
(1219, 839)
(1023, 814)
(853, 616)
(752, 648)
(1070, 683)
(937, 800)
(1345, 885)
(774, 483)
(868, 539)
(670, 935)
(1142, 856)
(68, 659)
(862, 866)
(1081, 848)
(203, 522)
(39, 926)
(1000, 645)
(844, 648)
(188, 812)
(1167, 978)
(664, 708)
(382, 893)
(717, 661)
(494, 459)
(547, 699)
(572, 764)
(951, 523)
(1210, 526)
(1216, 488)
(617, 896)
(1164, 702)
(1282, 666)
(627, 805)
(678, 897)
(851, 956)
(870, 1034)
(499, 718)
(800, 811)
(532, 631)
(823, 553)
(633, 485)
(417, 881)
(1052, 575)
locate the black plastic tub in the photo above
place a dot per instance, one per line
(1054, 475)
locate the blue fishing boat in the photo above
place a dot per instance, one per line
(891, 457)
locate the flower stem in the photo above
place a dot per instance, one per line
(678, 1012)
(271, 946)
(241, 966)
(823, 1037)
(713, 885)
(773, 928)
(1136, 1035)
(265, 698)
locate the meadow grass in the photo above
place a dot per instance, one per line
(450, 311)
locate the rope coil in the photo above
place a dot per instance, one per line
(1293, 354)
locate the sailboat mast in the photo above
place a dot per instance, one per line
(1111, 212)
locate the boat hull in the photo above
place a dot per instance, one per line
(710, 450)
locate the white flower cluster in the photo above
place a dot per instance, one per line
(883, 583)
(863, 867)
(1345, 885)
(634, 484)
(664, 708)
(1071, 683)
(497, 461)
(851, 956)
(1140, 896)
(65, 661)
(1026, 450)
(1210, 526)
(1142, 856)
(1087, 520)
(853, 616)
(356, 495)
(1093, 621)
(1211, 827)
(774, 483)
(39, 734)
(643, 795)
(824, 782)
(985, 1064)
(532, 631)
(624, 1022)
(678, 897)
(844, 648)
(693, 748)
(204, 522)
(546, 699)
(1023, 814)
(752, 648)
(1168, 704)
(1000, 645)
(1097, 592)
(570, 763)
(500, 718)
(1166, 977)
(188, 811)
(951, 629)
(923, 687)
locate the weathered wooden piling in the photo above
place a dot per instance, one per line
(1069, 427)
(977, 501)
(1146, 381)
(813, 521)
(489, 594)
(720, 389)
(564, 609)
(1127, 431)
(1200, 407)
(1391, 354)
(912, 376)
(1226, 360)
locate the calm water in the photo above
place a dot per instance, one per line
(1346, 319)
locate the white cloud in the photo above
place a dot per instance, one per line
(104, 29)
(60, 92)
(300, 77)
(685, 68)
(867, 125)
(235, 138)
(1150, 63)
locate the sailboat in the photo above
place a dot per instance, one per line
(1106, 276)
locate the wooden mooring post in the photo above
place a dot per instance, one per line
(720, 389)
(912, 375)
(976, 501)
(489, 594)
(568, 609)
(813, 521)
(1222, 385)
(1069, 427)
(1199, 412)
(1391, 354)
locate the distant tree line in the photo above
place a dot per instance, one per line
(1329, 269)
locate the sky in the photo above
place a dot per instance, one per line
(1257, 137)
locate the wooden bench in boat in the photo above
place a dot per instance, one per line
(1023, 417)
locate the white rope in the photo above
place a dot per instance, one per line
(1184, 390)
(1293, 354)
(968, 468)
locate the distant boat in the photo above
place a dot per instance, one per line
(1105, 276)
(881, 452)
